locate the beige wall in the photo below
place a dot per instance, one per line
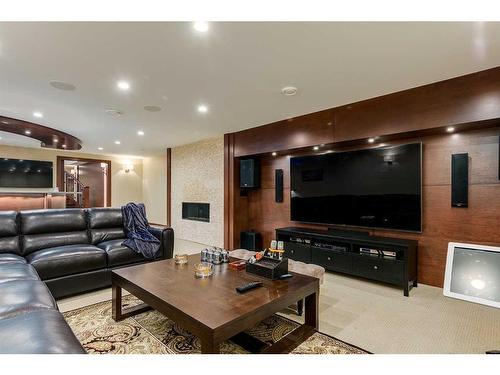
(154, 188)
(198, 176)
(125, 187)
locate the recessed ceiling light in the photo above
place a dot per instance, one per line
(202, 108)
(55, 140)
(62, 85)
(450, 129)
(316, 148)
(289, 90)
(201, 26)
(117, 142)
(38, 114)
(371, 140)
(152, 108)
(123, 85)
(100, 148)
(27, 132)
(140, 132)
(114, 112)
(63, 146)
(274, 154)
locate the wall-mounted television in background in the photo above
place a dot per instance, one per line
(19, 173)
(378, 188)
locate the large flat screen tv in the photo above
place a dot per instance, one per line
(18, 173)
(378, 188)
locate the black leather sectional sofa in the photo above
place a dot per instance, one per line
(47, 254)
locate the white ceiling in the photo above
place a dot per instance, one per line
(237, 69)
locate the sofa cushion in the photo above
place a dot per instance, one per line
(118, 254)
(105, 224)
(66, 260)
(20, 296)
(52, 221)
(38, 332)
(9, 230)
(17, 271)
(11, 258)
(43, 229)
(34, 242)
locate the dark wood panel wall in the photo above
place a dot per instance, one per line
(470, 103)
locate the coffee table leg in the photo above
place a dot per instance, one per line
(116, 309)
(209, 347)
(312, 310)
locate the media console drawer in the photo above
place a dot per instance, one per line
(331, 260)
(389, 270)
(298, 251)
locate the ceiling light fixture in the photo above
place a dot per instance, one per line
(27, 132)
(114, 112)
(289, 91)
(117, 143)
(63, 146)
(100, 148)
(450, 129)
(202, 108)
(274, 153)
(201, 26)
(55, 140)
(62, 85)
(316, 148)
(38, 114)
(152, 108)
(140, 132)
(371, 140)
(123, 85)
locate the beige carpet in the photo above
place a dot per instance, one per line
(154, 333)
(378, 318)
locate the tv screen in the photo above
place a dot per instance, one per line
(379, 188)
(18, 173)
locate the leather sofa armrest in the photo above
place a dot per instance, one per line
(166, 237)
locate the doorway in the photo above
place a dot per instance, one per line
(86, 182)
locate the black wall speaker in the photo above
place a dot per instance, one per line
(460, 180)
(251, 241)
(278, 185)
(249, 173)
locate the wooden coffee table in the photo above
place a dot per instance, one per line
(211, 308)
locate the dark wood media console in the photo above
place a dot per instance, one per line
(340, 251)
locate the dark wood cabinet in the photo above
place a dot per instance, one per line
(394, 261)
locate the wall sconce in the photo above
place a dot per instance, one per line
(127, 167)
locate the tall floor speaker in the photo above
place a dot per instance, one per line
(460, 180)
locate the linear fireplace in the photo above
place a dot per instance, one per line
(196, 211)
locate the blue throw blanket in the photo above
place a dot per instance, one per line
(136, 226)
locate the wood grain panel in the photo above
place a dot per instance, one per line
(48, 137)
(464, 99)
(310, 129)
(441, 223)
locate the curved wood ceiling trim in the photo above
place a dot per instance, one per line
(49, 138)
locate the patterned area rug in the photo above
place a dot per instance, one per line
(153, 333)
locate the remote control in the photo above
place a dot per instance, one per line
(285, 276)
(249, 286)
